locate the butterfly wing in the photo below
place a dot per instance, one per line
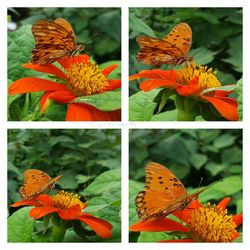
(172, 49)
(35, 183)
(162, 195)
(53, 40)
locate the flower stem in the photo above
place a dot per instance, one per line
(58, 233)
(185, 116)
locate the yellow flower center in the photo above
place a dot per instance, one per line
(64, 200)
(212, 224)
(207, 78)
(85, 79)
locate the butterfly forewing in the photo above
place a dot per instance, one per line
(35, 183)
(172, 49)
(161, 195)
(53, 40)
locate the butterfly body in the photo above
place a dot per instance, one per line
(36, 182)
(53, 40)
(164, 193)
(172, 49)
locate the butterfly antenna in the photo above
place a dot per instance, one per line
(200, 182)
(91, 38)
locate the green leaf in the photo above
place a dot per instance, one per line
(198, 160)
(224, 140)
(108, 180)
(166, 116)
(139, 26)
(108, 101)
(215, 168)
(152, 236)
(20, 226)
(203, 56)
(142, 105)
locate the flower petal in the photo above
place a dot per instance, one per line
(39, 212)
(223, 203)
(85, 112)
(160, 225)
(191, 89)
(67, 61)
(26, 203)
(238, 218)
(177, 241)
(109, 69)
(151, 84)
(31, 84)
(72, 213)
(101, 227)
(48, 68)
(45, 199)
(156, 74)
(226, 106)
(184, 215)
(113, 84)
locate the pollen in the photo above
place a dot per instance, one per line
(85, 79)
(211, 224)
(207, 77)
(64, 200)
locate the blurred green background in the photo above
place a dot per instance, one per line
(194, 155)
(104, 49)
(89, 161)
(217, 35)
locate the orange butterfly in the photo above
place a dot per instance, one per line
(35, 183)
(172, 49)
(164, 193)
(53, 40)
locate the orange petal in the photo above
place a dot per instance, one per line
(235, 235)
(226, 107)
(109, 69)
(113, 84)
(151, 84)
(45, 199)
(160, 225)
(67, 61)
(184, 215)
(31, 84)
(238, 218)
(39, 212)
(223, 203)
(177, 241)
(191, 89)
(101, 227)
(156, 74)
(26, 203)
(48, 68)
(72, 213)
(85, 112)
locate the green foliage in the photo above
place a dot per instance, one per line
(104, 48)
(89, 162)
(203, 155)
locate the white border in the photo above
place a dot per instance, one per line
(124, 125)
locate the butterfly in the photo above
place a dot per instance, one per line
(164, 193)
(172, 49)
(36, 182)
(53, 40)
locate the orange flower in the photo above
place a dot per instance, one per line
(81, 78)
(197, 83)
(69, 208)
(201, 223)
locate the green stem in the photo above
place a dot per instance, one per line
(185, 116)
(58, 233)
